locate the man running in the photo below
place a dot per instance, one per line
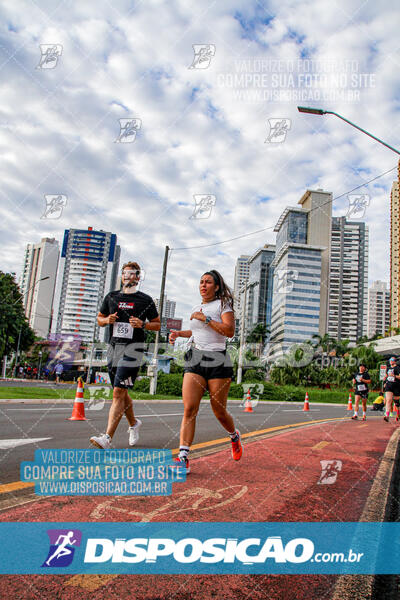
(361, 380)
(129, 312)
(59, 369)
(392, 388)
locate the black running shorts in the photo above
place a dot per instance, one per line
(362, 394)
(393, 387)
(123, 363)
(208, 364)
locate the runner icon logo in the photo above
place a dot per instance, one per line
(98, 397)
(330, 471)
(61, 551)
(128, 130)
(203, 53)
(278, 129)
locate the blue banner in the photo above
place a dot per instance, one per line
(200, 548)
(76, 472)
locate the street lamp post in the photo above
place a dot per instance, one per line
(242, 334)
(40, 364)
(320, 111)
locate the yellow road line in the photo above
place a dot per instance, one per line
(256, 433)
(19, 485)
(16, 485)
(90, 583)
(320, 445)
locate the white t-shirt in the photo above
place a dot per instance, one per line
(204, 337)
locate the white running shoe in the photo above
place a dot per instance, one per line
(102, 441)
(134, 433)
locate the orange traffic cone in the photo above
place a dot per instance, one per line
(78, 411)
(350, 404)
(306, 403)
(248, 406)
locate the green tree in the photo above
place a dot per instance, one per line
(13, 323)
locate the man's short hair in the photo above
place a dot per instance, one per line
(131, 265)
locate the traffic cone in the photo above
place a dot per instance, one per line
(248, 406)
(350, 404)
(78, 411)
(306, 403)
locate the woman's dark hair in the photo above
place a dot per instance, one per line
(223, 292)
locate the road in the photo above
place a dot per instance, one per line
(25, 427)
(282, 478)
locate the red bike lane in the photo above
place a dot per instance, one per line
(322, 472)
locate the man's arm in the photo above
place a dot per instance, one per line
(103, 320)
(153, 325)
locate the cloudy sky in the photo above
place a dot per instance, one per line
(211, 91)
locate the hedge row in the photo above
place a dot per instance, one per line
(171, 385)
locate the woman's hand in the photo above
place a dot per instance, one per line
(199, 316)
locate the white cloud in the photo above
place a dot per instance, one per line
(58, 127)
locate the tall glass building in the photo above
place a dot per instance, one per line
(301, 273)
(88, 270)
(259, 288)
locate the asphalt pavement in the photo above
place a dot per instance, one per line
(27, 426)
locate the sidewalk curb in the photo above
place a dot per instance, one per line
(360, 587)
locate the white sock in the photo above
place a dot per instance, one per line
(183, 452)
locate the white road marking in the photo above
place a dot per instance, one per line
(69, 408)
(7, 444)
(299, 410)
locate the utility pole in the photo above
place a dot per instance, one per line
(242, 332)
(152, 368)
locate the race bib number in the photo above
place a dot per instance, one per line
(123, 330)
(390, 378)
(362, 387)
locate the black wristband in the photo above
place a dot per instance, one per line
(144, 325)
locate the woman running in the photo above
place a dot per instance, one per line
(207, 364)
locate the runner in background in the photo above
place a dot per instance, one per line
(361, 380)
(129, 312)
(207, 364)
(392, 388)
(59, 369)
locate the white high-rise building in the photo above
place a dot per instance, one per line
(40, 262)
(88, 270)
(348, 282)
(169, 307)
(241, 278)
(378, 308)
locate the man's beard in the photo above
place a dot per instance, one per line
(130, 284)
